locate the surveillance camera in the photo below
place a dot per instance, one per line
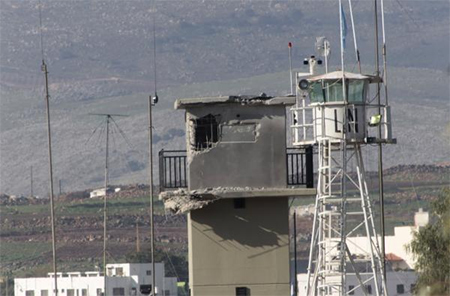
(303, 84)
(155, 99)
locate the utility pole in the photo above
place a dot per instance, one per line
(108, 117)
(295, 253)
(150, 163)
(50, 165)
(50, 162)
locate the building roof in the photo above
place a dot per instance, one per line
(348, 75)
(262, 99)
(393, 257)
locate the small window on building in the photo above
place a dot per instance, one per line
(206, 132)
(29, 293)
(133, 291)
(70, 292)
(119, 291)
(369, 289)
(166, 292)
(99, 292)
(119, 271)
(44, 292)
(149, 272)
(350, 290)
(412, 288)
(83, 292)
(239, 203)
(400, 289)
(145, 289)
(109, 272)
(242, 291)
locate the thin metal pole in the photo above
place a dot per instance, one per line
(380, 150)
(105, 205)
(354, 36)
(50, 166)
(295, 253)
(150, 163)
(343, 209)
(31, 181)
(290, 66)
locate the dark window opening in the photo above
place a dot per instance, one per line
(145, 289)
(242, 291)
(369, 289)
(239, 203)
(400, 289)
(352, 292)
(206, 132)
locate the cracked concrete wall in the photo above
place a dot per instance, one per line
(251, 151)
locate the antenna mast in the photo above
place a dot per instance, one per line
(151, 103)
(290, 67)
(50, 162)
(109, 118)
(380, 146)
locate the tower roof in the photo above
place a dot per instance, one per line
(242, 100)
(348, 75)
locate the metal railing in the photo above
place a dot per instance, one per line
(299, 167)
(172, 169)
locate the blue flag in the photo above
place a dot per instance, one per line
(344, 26)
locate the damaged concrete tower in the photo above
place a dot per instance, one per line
(237, 194)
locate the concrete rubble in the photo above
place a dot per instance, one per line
(182, 200)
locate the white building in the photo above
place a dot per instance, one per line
(101, 192)
(127, 279)
(400, 276)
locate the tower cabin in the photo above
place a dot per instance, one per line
(237, 194)
(328, 109)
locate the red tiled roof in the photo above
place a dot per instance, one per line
(393, 257)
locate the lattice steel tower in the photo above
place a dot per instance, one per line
(339, 119)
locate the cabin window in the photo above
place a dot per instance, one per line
(44, 292)
(83, 292)
(316, 93)
(356, 91)
(29, 293)
(99, 292)
(331, 91)
(400, 289)
(149, 272)
(206, 132)
(119, 271)
(70, 292)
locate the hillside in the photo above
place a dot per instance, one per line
(100, 60)
(25, 227)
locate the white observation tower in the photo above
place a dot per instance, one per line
(334, 112)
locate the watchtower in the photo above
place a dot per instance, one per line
(336, 113)
(237, 193)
